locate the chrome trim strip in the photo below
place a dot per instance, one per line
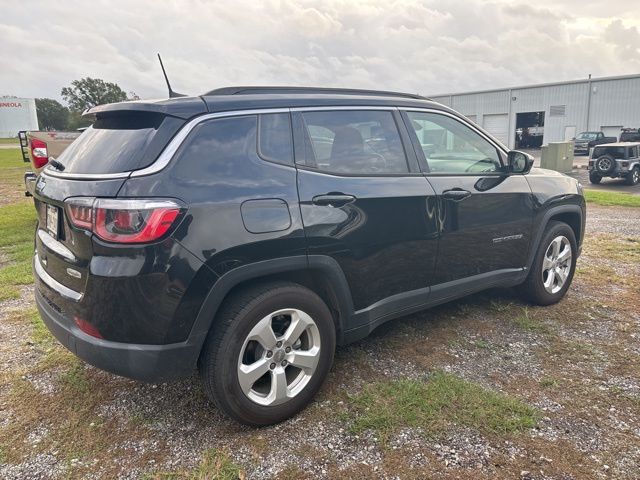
(167, 154)
(497, 143)
(344, 107)
(53, 283)
(55, 246)
(51, 172)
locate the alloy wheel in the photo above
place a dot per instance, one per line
(556, 264)
(279, 357)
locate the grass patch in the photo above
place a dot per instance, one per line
(549, 382)
(611, 199)
(432, 406)
(215, 465)
(17, 224)
(619, 248)
(9, 141)
(526, 321)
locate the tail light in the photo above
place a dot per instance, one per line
(123, 220)
(39, 152)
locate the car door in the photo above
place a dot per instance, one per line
(366, 205)
(485, 214)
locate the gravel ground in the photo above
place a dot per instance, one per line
(576, 363)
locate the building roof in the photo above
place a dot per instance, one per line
(539, 85)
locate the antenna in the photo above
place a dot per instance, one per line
(172, 94)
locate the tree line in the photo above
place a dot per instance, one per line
(79, 96)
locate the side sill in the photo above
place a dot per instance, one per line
(417, 300)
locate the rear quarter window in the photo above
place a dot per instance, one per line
(119, 143)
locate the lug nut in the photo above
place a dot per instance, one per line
(284, 363)
(272, 366)
(269, 354)
(288, 349)
(278, 344)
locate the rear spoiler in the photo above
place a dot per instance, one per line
(184, 107)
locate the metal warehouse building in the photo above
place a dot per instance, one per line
(562, 109)
(17, 114)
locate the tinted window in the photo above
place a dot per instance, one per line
(217, 151)
(275, 143)
(354, 142)
(119, 143)
(449, 146)
(615, 152)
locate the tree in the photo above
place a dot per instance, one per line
(89, 92)
(52, 115)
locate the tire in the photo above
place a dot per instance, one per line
(595, 178)
(537, 288)
(605, 164)
(265, 313)
(633, 177)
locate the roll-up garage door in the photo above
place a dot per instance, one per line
(498, 126)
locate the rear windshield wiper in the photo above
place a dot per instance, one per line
(56, 164)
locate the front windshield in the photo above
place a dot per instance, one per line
(586, 136)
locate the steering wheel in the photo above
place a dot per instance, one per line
(484, 161)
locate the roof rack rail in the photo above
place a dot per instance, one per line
(257, 90)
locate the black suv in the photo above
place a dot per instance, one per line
(249, 231)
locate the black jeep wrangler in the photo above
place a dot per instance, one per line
(616, 160)
(248, 231)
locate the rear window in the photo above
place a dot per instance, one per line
(615, 152)
(119, 143)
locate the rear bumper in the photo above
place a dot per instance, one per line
(148, 363)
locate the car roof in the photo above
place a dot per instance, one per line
(250, 98)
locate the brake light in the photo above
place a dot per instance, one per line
(39, 152)
(123, 220)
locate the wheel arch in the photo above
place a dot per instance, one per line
(319, 273)
(572, 215)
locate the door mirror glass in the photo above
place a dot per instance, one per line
(520, 162)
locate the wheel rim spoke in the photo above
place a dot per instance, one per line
(546, 263)
(305, 359)
(300, 321)
(565, 254)
(549, 281)
(555, 245)
(263, 333)
(249, 374)
(278, 391)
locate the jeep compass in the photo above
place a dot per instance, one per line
(248, 231)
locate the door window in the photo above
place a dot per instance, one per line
(450, 147)
(354, 142)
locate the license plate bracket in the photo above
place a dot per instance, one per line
(53, 220)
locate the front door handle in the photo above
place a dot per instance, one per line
(456, 195)
(333, 199)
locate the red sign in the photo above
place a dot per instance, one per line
(11, 104)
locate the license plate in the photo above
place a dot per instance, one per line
(52, 220)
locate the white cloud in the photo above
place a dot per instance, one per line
(416, 46)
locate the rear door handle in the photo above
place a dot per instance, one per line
(455, 195)
(333, 200)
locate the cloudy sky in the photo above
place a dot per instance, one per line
(425, 47)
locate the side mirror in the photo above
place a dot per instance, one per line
(519, 162)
